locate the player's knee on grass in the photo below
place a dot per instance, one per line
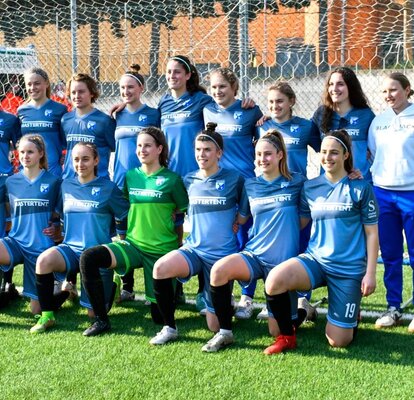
(338, 337)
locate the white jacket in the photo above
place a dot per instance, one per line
(391, 143)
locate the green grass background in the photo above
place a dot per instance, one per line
(62, 364)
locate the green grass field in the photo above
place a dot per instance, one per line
(122, 365)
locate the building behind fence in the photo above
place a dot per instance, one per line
(262, 40)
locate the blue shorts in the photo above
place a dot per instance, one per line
(344, 292)
(258, 269)
(196, 264)
(20, 255)
(72, 267)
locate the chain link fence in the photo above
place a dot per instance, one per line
(262, 40)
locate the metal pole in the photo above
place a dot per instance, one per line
(244, 48)
(73, 32)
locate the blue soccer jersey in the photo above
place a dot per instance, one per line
(298, 133)
(213, 205)
(89, 210)
(356, 122)
(95, 127)
(339, 212)
(274, 235)
(238, 128)
(9, 133)
(128, 125)
(46, 121)
(181, 121)
(31, 206)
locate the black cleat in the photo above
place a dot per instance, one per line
(98, 327)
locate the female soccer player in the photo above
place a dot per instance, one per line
(43, 116)
(129, 122)
(90, 204)
(87, 124)
(216, 199)
(155, 194)
(344, 262)
(345, 106)
(33, 194)
(237, 126)
(391, 138)
(274, 237)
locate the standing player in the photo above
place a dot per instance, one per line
(90, 204)
(216, 199)
(237, 126)
(33, 194)
(345, 106)
(345, 263)
(87, 124)
(155, 194)
(42, 116)
(274, 236)
(391, 139)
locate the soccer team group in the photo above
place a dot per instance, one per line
(237, 175)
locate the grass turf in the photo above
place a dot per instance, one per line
(122, 365)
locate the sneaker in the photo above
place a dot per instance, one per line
(167, 334)
(411, 327)
(200, 302)
(218, 342)
(44, 323)
(311, 313)
(389, 319)
(282, 343)
(245, 308)
(71, 288)
(98, 327)
(264, 314)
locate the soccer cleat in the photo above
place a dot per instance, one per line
(43, 324)
(167, 334)
(264, 314)
(10, 288)
(200, 302)
(126, 296)
(99, 326)
(411, 326)
(389, 319)
(218, 342)
(282, 343)
(311, 312)
(245, 308)
(71, 288)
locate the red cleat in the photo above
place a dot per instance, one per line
(282, 343)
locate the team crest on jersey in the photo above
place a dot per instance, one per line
(91, 125)
(294, 128)
(237, 114)
(142, 118)
(220, 184)
(48, 113)
(96, 191)
(353, 120)
(284, 185)
(44, 187)
(160, 180)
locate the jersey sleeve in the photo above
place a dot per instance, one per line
(314, 137)
(304, 210)
(16, 132)
(120, 207)
(180, 195)
(369, 206)
(244, 206)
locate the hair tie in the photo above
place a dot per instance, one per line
(183, 61)
(135, 77)
(338, 140)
